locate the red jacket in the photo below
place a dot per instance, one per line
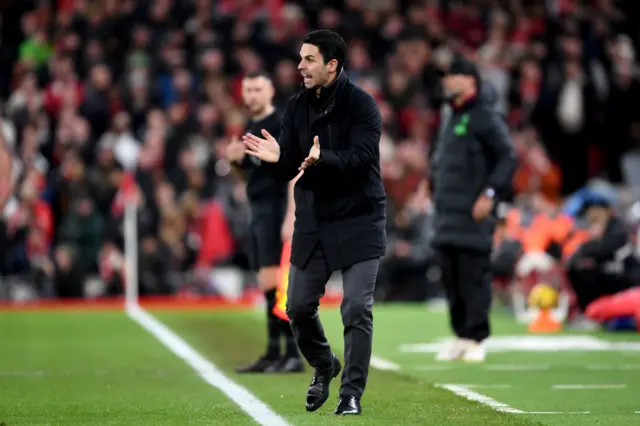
(216, 241)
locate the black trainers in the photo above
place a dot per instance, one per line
(261, 365)
(318, 391)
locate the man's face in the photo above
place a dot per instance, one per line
(257, 94)
(456, 84)
(598, 215)
(314, 71)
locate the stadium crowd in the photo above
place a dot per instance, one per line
(92, 89)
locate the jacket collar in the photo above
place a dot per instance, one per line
(327, 99)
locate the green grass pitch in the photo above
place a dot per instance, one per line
(101, 368)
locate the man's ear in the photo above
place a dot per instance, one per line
(333, 65)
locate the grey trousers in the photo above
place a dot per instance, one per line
(306, 287)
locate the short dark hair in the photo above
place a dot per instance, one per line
(258, 73)
(330, 44)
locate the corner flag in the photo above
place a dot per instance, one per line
(280, 309)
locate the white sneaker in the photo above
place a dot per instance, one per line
(453, 352)
(475, 352)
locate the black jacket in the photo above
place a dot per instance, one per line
(473, 153)
(613, 252)
(262, 188)
(340, 201)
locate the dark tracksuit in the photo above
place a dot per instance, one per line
(340, 219)
(268, 201)
(613, 268)
(473, 152)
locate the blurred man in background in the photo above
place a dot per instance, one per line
(606, 264)
(268, 200)
(472, 163)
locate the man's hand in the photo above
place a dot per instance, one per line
(314, 155)
(482, 208)
(235, 150)
(266, 149)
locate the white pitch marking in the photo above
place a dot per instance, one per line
(251, 405)
(470, 386)
(604, 367)
(572, 387)
(467, 393)
(558, 412)
(383, 364)
(516, 367)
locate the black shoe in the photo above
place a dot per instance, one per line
(348, 405)
(318, 391)
(287, 365)
(261, 365)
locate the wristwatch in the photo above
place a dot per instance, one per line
(490, 192)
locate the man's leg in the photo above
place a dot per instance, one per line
(276, 327)
(584, 282)
(590, 284)
(448, 261)
(474, 284)
(306, 287)
(265, 258)
(359, 282)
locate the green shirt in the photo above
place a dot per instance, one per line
(35, 51)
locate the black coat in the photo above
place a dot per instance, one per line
(340, 201)
(467, 159)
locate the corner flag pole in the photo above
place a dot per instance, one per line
(130, 241)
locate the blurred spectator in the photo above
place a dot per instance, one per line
(94, 90)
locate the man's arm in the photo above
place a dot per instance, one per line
(290, 158)
(604, 248)
(363, 145)
(290, 216)
(493, 133)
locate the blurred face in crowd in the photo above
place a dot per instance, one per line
(85, 207)
(315, 72)
(100, 77)
(598, 215)
(458, 84)
(257, 94)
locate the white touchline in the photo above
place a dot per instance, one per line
(571, 387)
(516, 367)
(467, 393)
(251, 405)
(383, 364)
(614, 367)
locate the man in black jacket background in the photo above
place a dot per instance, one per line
(472, 164)
(604, 265)
(331, 129)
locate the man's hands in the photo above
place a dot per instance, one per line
(482, 208)
(314, 155)
(266, 149)
(235, 151)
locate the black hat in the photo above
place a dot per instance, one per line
(461, 66)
